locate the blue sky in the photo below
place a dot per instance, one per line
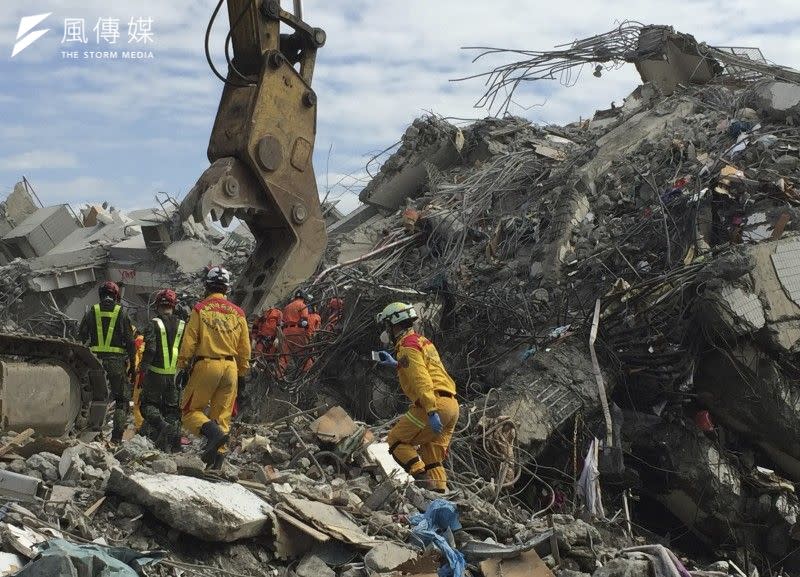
(121, 130)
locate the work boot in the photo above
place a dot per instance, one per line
(162, 438)
(219, 459)
(175, 441)
(216, 438)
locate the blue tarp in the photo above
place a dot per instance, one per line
(61, 558)
(429, 526)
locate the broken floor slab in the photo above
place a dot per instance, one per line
(329, 520)
(210, 511)
(528, 564)
(427, 142)
(776, 100)
(386, 557)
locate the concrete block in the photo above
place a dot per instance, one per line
(18, 486)
(211, 511)
(776, 100)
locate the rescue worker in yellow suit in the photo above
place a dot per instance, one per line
(216, 342)
(138, 342)
(419, 440)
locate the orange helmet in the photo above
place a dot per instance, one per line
(109, 289)
(166, 298)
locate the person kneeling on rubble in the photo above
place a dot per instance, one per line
(108, 331)
(159, 395)
(431, 420)
(217, 340)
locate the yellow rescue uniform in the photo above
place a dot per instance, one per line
(429, 387)
(217, 338)
(137, 383)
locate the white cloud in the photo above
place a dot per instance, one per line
(142, 125)
(38, 159)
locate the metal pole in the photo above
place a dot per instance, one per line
(298, 9)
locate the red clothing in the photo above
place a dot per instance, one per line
(314, 322)
(295, 332)
(295, 317)
(335, 307)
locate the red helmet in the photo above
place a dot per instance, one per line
(166, 298)
(109, 289)
(336, 304)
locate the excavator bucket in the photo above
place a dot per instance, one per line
(261, 151)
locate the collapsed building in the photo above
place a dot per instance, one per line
(617, 296)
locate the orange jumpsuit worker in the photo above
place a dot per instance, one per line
(314, 321)
(295, 329)
(137, 383)
(335, 308)
(265, 331)
(217, 341)
(431, 420)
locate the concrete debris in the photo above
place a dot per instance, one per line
(313, 566)
(210, 511)
(386, 557)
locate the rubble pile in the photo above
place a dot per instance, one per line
(306, 495)
(51, 259)
(670, 224)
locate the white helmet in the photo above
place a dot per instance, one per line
(218, 277)
(395, 313)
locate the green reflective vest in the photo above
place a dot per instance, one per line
(170, 359)
(104, 340)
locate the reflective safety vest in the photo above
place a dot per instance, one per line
(104, 340)
(170, 359)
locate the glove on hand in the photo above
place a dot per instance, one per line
(435, 422)
(387, 359)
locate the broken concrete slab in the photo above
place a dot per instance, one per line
(385, 557)
(334, 426)
(313, 566)
(776, 100)
(16, 486)
(528, 564)
(379, 453)
(210, 511)
(427, 142)
(192, 255)
(329, 520)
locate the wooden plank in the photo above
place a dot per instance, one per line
(780, 225)
(16, 441)
(93, 509)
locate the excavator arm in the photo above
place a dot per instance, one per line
(261, 151)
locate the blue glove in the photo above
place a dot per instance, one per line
(435, 422)
(387, 359)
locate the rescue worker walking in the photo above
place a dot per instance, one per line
(108, 331)
(216, 343)
(159, 395)
(431, 420)
(295, 331)
(138, 342)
